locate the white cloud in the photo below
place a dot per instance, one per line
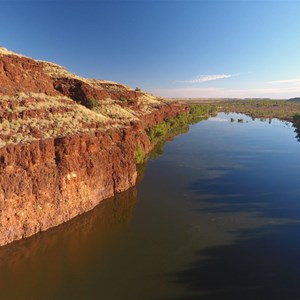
(279, 89)
(295, 80)
(205, 78)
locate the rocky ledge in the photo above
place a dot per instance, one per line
(66, 142)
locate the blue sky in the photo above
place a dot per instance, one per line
(170, 48)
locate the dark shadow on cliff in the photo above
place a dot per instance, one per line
(260, 264)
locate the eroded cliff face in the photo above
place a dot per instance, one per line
(59, 159)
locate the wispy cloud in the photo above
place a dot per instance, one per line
(205, 78)
(295, 80)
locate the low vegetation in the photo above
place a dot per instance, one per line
(287, 110)
(123, 99)
(168, 127)
(171, 126)
(296, 122)
(92, 103)
(200, 111)
(29, 117)
(140, 155)
(166, 130)
(280, 109)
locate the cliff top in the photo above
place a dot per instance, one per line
(41, 99)
(5, 51)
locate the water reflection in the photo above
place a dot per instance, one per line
(260, 264)
(44, 263)
(253, 211)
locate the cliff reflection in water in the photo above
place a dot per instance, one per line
(42, 261)
(96, 252)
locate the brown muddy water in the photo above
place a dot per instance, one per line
(216, 216)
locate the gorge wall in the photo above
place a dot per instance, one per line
(59, 157)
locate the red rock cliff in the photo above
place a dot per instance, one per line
(66, 142)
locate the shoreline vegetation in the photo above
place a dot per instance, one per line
(257, 108)
(285, 110)
(202, 109)
(171, 127)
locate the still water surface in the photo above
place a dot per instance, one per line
(217, 216)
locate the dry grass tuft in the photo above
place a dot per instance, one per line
(4, 51)
(35, 116)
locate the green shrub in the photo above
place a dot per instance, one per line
(169, 127)
(180, 123)
(296, 118)
(140, 155)
(199, 112)
(123, 99)
(92, 103)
